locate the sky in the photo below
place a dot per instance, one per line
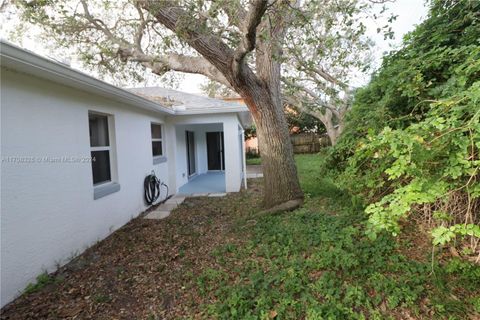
(410, 13)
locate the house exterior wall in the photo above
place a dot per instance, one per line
(48, 213)
(251, 145)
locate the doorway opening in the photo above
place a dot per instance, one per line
(190, 142)
(215, 153)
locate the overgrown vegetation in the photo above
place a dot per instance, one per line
(412, 140)
(318, 263)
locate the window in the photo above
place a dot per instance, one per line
(100, 148)
(157, 142)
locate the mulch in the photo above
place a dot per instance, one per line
(146, 269)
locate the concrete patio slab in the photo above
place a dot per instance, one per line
(254, 171)
(197, 195)
(210, 182)
(157, 215)
(217, 195)
(167, 206)
(164, 210)
(176, 199)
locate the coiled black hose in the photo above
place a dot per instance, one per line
(152, 186)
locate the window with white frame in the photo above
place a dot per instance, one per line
(157, 141)
(100, 148)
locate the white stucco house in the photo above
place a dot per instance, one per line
(56, 202)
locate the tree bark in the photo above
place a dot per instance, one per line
(327, 120)
(279, 169)
(332, 133)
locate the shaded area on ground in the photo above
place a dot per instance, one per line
(145, 269)
(221, 258)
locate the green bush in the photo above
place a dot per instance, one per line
(412, 140)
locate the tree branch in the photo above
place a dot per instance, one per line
(317, 100)
(206, 43)
(174, 62)
(141, 27)
(158, 64)
(249, 33)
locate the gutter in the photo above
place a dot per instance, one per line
(210, 110)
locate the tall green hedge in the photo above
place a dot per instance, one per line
(412, 139)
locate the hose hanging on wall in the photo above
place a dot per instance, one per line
(152, 187)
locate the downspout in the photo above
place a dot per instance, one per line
(244, 159)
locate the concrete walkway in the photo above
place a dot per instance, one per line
(163, 210)
(254, 171)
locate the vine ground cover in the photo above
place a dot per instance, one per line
(318, 263)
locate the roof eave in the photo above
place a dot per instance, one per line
(19, 59)
(210, 111)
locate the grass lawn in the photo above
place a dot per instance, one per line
(254, 161)
(220, 258)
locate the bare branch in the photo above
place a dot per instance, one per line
(325, 75)
(141, 27)
(101, 26)
(188, 64)
(314, 98)
(157, 64)
(249, 32)
(174, 62)
(207, 44)
(235, 13)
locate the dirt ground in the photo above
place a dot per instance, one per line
(146, 269)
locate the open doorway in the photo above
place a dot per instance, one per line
(215, 154)
(190, 142)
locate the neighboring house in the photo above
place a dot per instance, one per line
(55, 202)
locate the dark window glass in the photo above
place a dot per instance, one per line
(157, 148)
(98, 130)
(156, 131)
(101, 166)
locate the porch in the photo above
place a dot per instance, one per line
(204, 184)
(209, 157)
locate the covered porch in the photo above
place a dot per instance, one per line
(209, 155)
(205, 183)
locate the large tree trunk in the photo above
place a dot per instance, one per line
(279, 170)
(266, 105)
(327, 120)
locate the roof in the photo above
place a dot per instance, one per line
(187, 103)
(161, 100)
(16, 58)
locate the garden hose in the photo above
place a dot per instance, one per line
(152, 187)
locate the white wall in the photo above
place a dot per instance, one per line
(47, 209)
(201, 124)
(233, 154)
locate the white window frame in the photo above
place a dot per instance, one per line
(105, 188)
(158, 158)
